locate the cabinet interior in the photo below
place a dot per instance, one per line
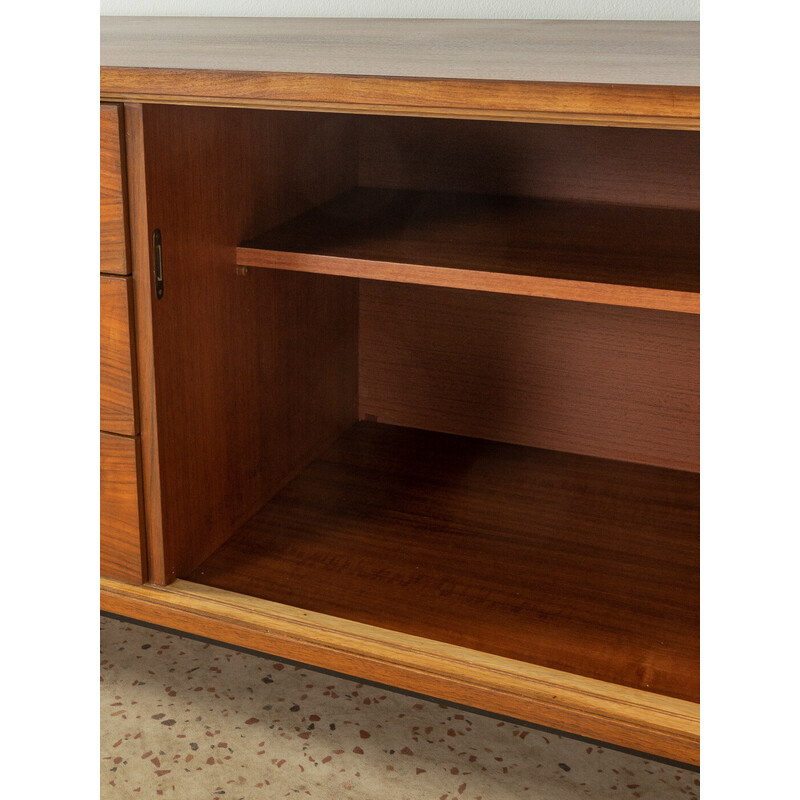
(362, 412)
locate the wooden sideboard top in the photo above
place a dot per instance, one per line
(652, 53)
(593, 72)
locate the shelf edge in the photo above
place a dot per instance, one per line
(474, 280)
(631, 718)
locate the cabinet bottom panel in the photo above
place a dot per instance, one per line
(629, 718)
(574, 563)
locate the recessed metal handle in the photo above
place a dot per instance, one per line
(158, 264)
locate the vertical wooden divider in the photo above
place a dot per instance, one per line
(143, 334)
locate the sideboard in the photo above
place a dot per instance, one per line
(399, 355)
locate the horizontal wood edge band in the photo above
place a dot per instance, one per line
(628, 717)
(410, 644)
(607, 121)
(648, 106)
(497, 282)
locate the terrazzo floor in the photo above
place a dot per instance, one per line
(190, 720)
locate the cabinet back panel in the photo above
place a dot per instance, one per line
(256, 373)
(612, 382)
(558, 162)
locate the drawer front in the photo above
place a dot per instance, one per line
(121, 517)
(113, 206)
(117, 359)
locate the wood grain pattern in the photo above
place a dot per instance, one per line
(613, 73)
(121, 530)
(676, 108)
(545, 586)
(145, 356)
(255, 374)
(611, 382)
(113, 218)
(554, 162)
(118, 404)
(643, 721)
(578, 564)
(617, 255)
(608, 52)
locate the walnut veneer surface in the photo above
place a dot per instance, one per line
(490, 546)
(113, 222)
(259, 487)
(620, 255)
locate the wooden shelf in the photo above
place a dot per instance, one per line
(592, 252)
(569, 562)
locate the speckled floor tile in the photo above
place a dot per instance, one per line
(189, 720)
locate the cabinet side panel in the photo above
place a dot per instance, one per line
(557, 162)
(602, 381)
(256, 373)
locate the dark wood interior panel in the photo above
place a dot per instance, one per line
(117, 364)
(565, 561)
(122, 553)
(113, 217)
(255, 373)
(583, 378)
(557, 162)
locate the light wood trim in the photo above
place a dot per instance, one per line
(675, 107)
(659, 123)
(143, 298)
(627, 717)
(502, 283)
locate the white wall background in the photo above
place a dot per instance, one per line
(458, 9)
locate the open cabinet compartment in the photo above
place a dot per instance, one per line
(359, 416)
